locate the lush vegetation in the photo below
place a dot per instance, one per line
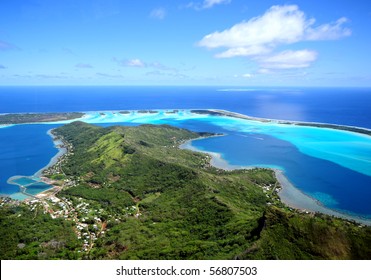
(32, 234)
(156, 201)
(293, 236)
(32, 118)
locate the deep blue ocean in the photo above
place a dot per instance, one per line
(24, 149)
(348, 106)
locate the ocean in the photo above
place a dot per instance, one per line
(347, 106)
(331, 166)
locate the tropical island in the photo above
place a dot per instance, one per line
(132, 193)
(37, 117)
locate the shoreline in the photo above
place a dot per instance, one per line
(212, 112)
(38, 175)
(226, 113)
(62, 150)
(58, 144)
(348, 128)
(216, 158)
(289, 194)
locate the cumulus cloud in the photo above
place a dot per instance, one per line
(278, 26)
(244, 51)
(289, 59)
(328, 31)
(158, 13)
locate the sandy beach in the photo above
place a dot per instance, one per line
(289, 194)
(216, 158)
(6, 125)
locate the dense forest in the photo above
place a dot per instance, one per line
(135, 195)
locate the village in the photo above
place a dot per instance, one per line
(88, 218)
(89, 221)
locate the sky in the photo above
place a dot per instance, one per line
(185, 42)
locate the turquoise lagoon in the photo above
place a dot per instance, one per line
(28, 186)
(330, 165)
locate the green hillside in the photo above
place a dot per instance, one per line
(153, 200)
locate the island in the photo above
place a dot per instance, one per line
(147, 112)
(38, 117)
(132, 193)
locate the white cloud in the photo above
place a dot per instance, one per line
(247, 75)
(206, 4)
(264, 71)
(134, 63)
(158, 13)
(278, 26)
(244, 51)
(210, 3)
(289, 59)
(328, 31)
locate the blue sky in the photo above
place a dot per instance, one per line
(184, 42)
